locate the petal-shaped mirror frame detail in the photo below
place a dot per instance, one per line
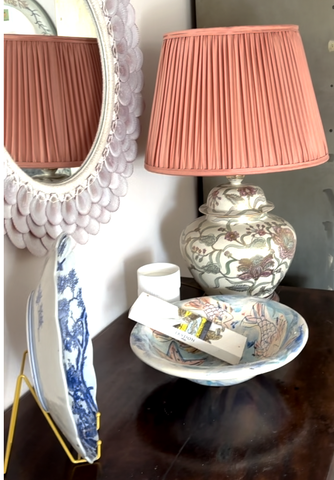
(35, 13)
(35, 213)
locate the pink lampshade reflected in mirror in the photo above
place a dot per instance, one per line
(53, 97)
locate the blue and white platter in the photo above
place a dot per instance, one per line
(60, 350)
(275, 333)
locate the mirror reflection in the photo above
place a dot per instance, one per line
(53, 89)
(15, 22)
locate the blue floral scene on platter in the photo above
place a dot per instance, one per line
(275, 335)
(61, 351)
(73, 324)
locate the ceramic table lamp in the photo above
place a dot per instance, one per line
(52, 100)
(235, 101)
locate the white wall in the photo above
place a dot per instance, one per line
(145, 229)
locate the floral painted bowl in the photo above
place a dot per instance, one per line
(275, 333)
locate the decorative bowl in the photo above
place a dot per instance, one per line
(275, 333)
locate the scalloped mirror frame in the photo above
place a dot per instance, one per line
(35, 214)
(35, 13)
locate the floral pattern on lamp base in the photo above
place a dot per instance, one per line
(238, 247)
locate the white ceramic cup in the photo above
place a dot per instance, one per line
(160, 279)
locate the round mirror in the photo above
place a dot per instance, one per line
(36, 213)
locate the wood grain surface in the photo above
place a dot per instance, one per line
(277, 426)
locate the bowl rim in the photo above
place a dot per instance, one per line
(220, 370)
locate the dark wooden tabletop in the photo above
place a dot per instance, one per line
(277, 426)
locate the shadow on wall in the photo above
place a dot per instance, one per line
(329, 229)
(174, 221)
(168, 229)
(24, 271)
(131, 265)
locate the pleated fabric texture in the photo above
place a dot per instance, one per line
(234, 100)
(52, 99)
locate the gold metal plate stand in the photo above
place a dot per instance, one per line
(13, 419)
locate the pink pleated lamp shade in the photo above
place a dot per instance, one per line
(52, 99)
(234, 100)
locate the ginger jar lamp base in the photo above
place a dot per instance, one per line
(237, 247)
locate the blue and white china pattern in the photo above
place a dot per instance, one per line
(60, 350)
(275, 333)
(73, 324)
